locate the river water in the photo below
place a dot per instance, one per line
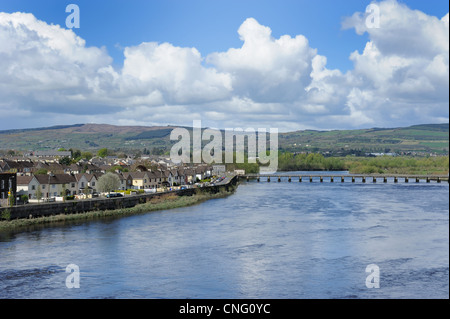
(268, 240)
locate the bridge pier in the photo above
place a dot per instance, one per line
(416, 178)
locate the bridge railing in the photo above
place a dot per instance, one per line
(343, 177)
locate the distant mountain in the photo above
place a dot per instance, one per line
(424, 138)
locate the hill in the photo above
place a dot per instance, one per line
(427, 138)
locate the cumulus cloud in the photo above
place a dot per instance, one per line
(400, 78)
(265, 69)
(175, 75)
(46, 65)
(403, 71)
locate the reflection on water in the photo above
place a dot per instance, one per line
(268, 240)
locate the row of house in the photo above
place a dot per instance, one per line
(28, 167)
(55, 185)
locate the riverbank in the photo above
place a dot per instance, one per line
(161, 202)
(408, 165)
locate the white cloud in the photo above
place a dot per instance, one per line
(404, 66)
(401, 77)
(265, 69)
(177, 74)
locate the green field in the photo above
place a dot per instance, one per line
(418, 139)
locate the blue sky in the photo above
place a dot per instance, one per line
(211, 27)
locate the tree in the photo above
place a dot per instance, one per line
(86, 190)
(41, 171)
(86, 155)
(103, 152)
(65, 161)
(108, 182)
(39, 193)
(76, 154)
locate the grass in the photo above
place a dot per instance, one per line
(162, 202)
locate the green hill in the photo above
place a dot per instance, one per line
(427, 138)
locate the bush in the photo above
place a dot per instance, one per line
(6, 214)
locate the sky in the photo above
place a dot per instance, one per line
(286, 64)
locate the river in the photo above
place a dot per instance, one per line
(268, 240)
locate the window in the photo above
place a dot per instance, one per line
(93, 183)
(82, 184)
(43, 186)
(33, 187)
(73, 185)
(53, 186)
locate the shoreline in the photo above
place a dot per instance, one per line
(165, 201)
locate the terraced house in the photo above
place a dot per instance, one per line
(87, 183)
(50, 185)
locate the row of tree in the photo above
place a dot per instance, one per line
(400, 164)
(309, 162)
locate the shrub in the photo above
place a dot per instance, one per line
(6, 214)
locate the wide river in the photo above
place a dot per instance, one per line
(268, 240)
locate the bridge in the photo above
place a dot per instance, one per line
(342, 178)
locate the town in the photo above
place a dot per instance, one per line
(45, 176)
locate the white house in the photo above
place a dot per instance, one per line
(86, 181)
(50, 185)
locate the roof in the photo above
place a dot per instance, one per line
(24, 180)
(88, 177)
(53, 153)
(55, 179)
(139, 175)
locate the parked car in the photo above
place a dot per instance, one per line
(111, 195)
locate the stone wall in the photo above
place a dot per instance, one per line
(79, 206)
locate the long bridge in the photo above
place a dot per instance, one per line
(353, 177)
